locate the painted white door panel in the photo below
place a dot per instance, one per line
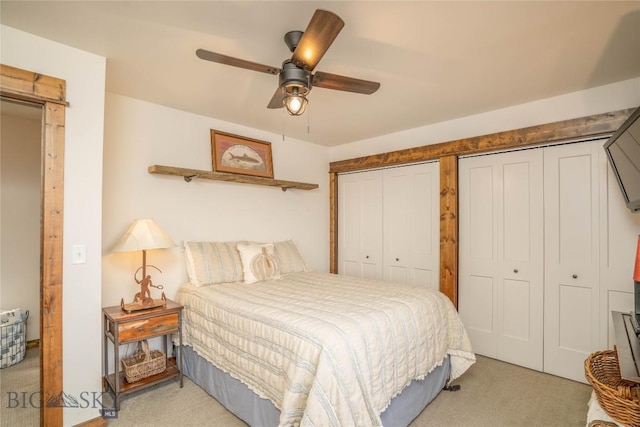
(360, 224)
(520, 250)
(411, 224)
(501, 238)
(571, 258)
(478, 262)
(396, 192)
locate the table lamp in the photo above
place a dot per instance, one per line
(142, 235)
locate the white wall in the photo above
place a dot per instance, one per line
(20, 143)
(603, 99)
(139, 134)
(85, 77)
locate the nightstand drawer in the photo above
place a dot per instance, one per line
(145, 328)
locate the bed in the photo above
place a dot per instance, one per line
(280, 345)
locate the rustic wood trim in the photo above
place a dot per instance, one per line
(30, 86)
(190, 174)
(333, 222)
(449, 227)
(51, 262)
(50, 93)
(584, 127)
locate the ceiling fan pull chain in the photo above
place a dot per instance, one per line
(283, 115)
(309, 113)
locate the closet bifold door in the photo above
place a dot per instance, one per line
(360, 224)
(501, 287)
(411, 237)
(572, 249)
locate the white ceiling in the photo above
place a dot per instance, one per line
(435, 60)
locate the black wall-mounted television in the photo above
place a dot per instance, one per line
(623, 151)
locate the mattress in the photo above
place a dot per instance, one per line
(324, 349)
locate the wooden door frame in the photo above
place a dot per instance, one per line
(447, 153)
(49, 92)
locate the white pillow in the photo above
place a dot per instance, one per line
(209, 263)
(259, 262)
(289, 258)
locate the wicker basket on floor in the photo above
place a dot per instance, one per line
(619, 398)
(143, 363)
(13, 341)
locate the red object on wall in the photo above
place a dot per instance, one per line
(636, 272)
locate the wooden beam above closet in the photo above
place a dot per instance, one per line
(584, 127)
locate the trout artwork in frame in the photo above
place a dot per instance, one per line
(236, 154)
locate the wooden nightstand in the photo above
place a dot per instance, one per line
(121, 327)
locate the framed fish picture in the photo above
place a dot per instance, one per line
(236, 154)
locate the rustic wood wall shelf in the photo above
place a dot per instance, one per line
(189, 174)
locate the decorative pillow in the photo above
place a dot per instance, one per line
(289, 258)
(259, 262)
(209, 263)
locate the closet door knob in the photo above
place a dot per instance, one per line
(515, 270)
(575, 276)
(397, 259)
(367, 257)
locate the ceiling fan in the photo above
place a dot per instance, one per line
(295, 77)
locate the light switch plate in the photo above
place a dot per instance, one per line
(78, 254)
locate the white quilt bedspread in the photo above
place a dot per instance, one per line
(327, 350)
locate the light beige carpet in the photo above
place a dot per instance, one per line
(492, 393)
(495, 393)
(20, 398)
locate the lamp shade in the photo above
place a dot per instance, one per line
(143, 234)
(636, 271)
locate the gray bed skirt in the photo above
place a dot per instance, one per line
(259, 412)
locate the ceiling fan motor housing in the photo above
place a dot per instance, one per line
(292, 75)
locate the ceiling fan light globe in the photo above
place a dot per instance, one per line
(295, 104)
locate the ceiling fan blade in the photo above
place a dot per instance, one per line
(276, 99)
(348, 84)
(320, 33)
(235, 62)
